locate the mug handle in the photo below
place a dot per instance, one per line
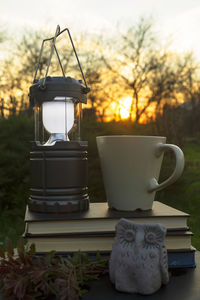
(154, 185)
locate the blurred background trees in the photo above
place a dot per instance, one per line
(132, 77)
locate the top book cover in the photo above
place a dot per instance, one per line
(100, 218)
(102, 211)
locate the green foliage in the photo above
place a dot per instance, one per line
(185, 193)
(11, 224)
(25, 276)
(15, 135)
(16, 132)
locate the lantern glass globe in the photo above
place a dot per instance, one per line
(58, 117)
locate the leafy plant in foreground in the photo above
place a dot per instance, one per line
(26, 276)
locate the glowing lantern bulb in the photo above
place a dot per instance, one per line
(58, 118)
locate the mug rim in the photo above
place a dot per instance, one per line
(130, 136)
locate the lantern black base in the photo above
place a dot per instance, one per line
(59, 177)
(58, 206)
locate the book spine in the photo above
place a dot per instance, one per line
(176, 259)
(95, 234)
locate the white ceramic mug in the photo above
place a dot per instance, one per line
(131, 167)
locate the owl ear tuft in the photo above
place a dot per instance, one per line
(122, 222)
(162, 229)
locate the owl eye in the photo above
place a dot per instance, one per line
(126, 235)
(150, 238)
(129, 235)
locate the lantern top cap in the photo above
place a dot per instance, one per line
(47, 88)
(57, 87)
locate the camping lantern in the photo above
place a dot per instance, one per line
(58, 160)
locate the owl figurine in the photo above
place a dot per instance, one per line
(138, 262)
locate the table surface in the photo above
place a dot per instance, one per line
(183, 284)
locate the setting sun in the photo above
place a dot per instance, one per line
(124, 107)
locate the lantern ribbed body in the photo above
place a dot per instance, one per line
(59, 177)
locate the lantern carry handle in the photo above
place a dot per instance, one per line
(53, 46)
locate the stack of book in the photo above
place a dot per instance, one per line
(94, 230)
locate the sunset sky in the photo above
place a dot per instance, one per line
(179, 19)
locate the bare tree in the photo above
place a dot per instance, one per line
(18, 70)
(189, 87)
(180, 82)
(163, 83)
(133, 64)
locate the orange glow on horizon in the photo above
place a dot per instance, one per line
(124, 107)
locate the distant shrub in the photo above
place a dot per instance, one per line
(16, 132)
